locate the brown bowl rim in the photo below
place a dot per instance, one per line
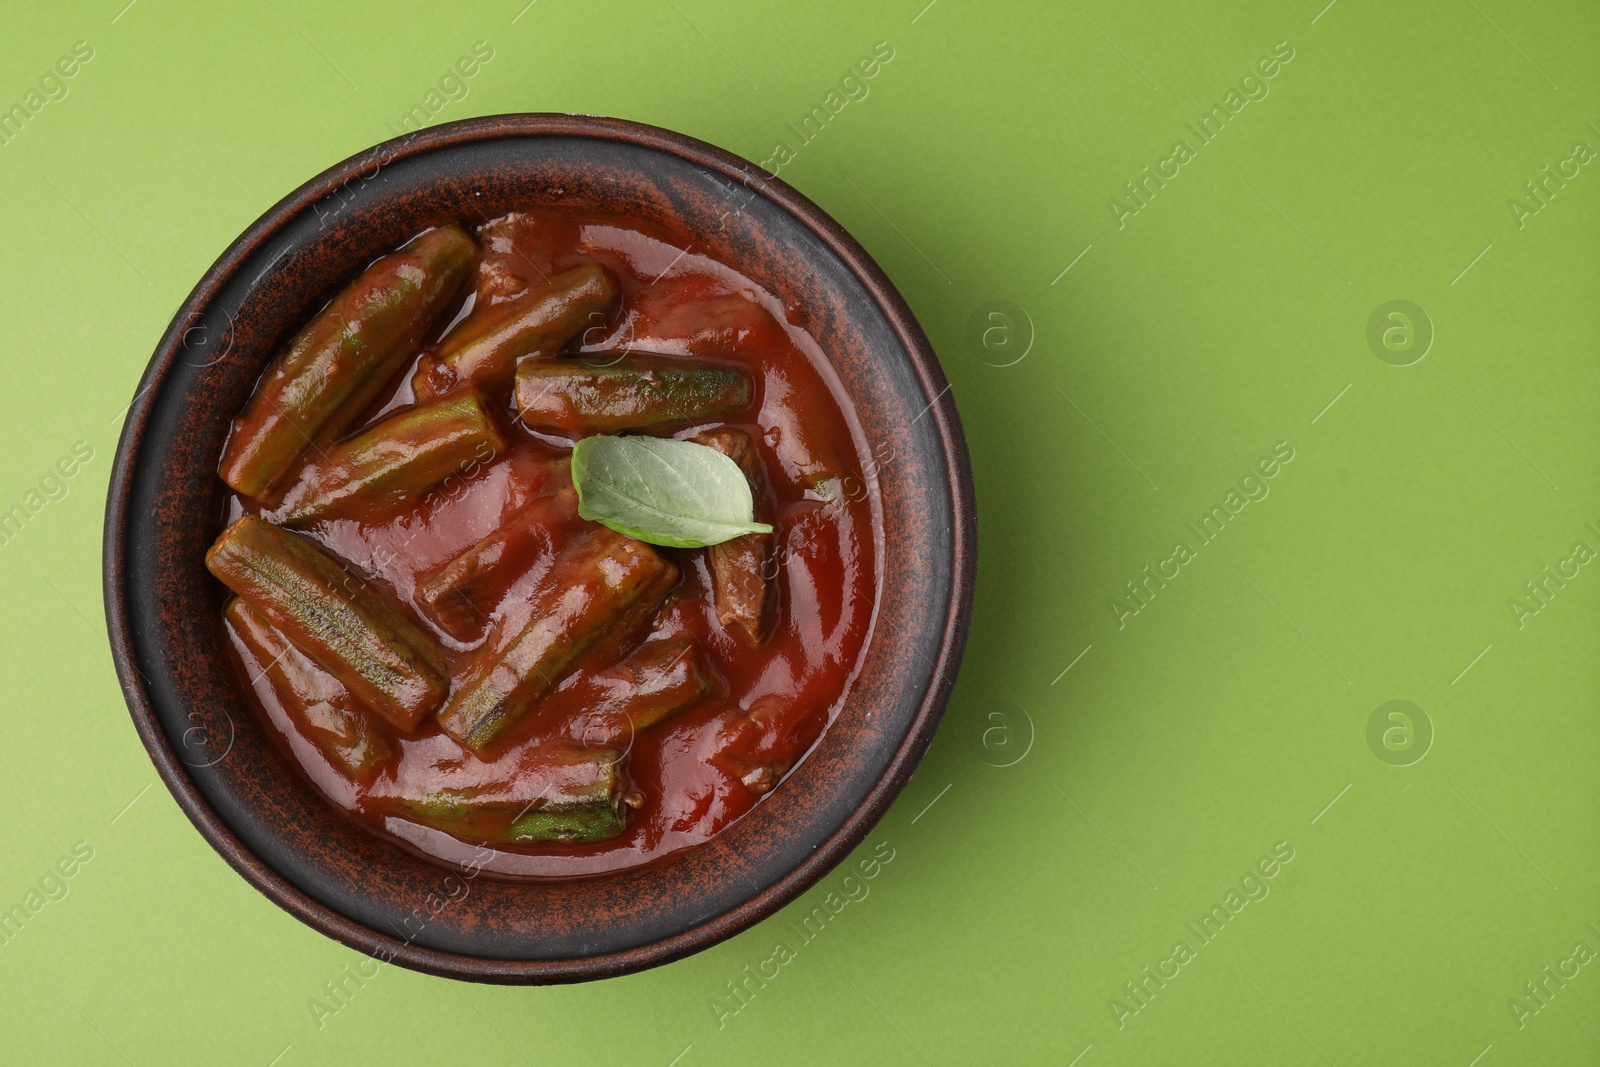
(788, 886)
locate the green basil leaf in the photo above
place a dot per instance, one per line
(674, 493)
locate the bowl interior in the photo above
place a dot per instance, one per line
(166, 506)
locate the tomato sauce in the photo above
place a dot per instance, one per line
(684, 774)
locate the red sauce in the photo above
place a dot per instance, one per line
(824, 561)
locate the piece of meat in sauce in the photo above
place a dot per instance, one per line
(739, 567)
(760, 745)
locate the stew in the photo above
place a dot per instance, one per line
(441, 616)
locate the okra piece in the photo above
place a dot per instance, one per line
(335, 618)
(573, 398)
(460, 597)
(342, 358)
(659, 679)
(739, 569)
(597, 822)
(591, 587)
(398, 460)
(538, 325)
(549, 793)
(314, 699)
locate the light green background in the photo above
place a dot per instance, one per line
(1227, 716)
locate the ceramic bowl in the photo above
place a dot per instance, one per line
(165, 507)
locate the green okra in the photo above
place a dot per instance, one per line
(398, 460)
(317, 701)
(485, 348)
(601, 581)
(594, 822)
(553, 792)
(574, 399)
(340, 360)
(385, 660)
(657, 680)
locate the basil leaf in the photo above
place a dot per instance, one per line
(674, 493)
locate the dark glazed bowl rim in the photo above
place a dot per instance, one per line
(956, 469)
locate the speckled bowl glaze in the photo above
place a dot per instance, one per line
(165, 506)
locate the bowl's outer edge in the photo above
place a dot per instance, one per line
(825, 857)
